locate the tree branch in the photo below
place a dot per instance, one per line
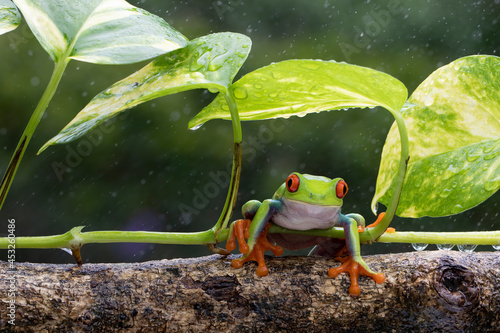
(444, 291)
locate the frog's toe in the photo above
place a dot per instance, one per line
(355, 269)
(262, 270)
(237, 263)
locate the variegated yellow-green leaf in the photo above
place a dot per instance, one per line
(298, 87)
(209, 62)
(9, 16)
(98, 31)
(454, 132)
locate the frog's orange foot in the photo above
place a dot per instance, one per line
(349, 265)
(240, 232)
(262, 245)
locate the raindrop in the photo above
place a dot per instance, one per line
(493, 184)
(491, 155)
(446, 192)
(496, 247)
(217, 63)
(35, 81)
(196, 65)
(458, 208)
(489, 148)
(445, 246)
(174, 116)
(67, 250)
(196, 127)
(419, 246)
(257, 86)
(467, 247)
(273, 94)
(474, 154)
(240, 92)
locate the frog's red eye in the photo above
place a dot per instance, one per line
(341, 189)
(292, 183)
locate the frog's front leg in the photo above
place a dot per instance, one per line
(354, 264)
(256, 232)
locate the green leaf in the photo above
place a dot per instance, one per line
(298, 87)
(98, 31)
(9, 16)
(207, 62)
(454, 131)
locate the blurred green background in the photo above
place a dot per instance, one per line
(138, 171)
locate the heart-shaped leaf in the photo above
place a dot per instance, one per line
(9, 16)
(454, 131)
(99, 31)
(298, 87)
(209, 62)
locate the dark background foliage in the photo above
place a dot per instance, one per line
(144, 169)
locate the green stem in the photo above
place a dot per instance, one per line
(463, 238)
(397, 182)
(74, 238)
(227, 211)
(477, 237)
(30, 129)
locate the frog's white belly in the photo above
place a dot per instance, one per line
(298, 215)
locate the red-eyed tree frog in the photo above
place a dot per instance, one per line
(303, 202)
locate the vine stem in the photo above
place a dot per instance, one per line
(74, 238)
(397, 182)
(474, 237)
(227, 211)
(462, 238)
(37, 115)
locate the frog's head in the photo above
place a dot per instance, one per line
(311, 189)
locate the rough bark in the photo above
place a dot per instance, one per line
(441, 291)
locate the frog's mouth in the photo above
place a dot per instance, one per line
(298, 215)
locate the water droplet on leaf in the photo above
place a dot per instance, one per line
(240, 92)
(196, 127)
(474, 154)
(493, 184)
(446, 192)
(491, 155)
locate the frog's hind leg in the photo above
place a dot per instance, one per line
(354, 264)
